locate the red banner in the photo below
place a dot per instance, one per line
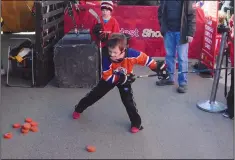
(211, 40)
(141, 23)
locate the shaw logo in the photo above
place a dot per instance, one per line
(150, 33)
(147, 33)
(132, 33)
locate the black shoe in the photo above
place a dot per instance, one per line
(164, 82)
(78, 109)
(182, 89)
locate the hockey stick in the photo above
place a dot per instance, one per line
(196, 71)
(92, 12)
(70, 12)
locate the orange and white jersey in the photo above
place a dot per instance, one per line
(126, 66)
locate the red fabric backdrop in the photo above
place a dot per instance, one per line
(142, 23)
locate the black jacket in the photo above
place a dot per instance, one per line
(188, 19)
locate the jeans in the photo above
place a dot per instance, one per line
(172, 44)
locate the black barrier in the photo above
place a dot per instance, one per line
(49, 30)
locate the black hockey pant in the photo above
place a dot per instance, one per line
(126, 96)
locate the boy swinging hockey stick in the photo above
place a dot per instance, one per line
(117, 71)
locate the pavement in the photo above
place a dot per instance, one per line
(174, 128)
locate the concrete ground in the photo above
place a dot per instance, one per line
(173, 126)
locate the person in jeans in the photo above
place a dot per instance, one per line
(177, 19)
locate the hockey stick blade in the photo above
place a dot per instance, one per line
(195, 71)
(95, 15)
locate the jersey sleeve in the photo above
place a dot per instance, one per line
(143, 60)
(107, 73)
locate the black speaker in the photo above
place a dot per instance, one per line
(82, 37)
(76, 60)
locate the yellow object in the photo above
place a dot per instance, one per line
(17, 16)
(2, 22)
(19, 58)
(23, 52)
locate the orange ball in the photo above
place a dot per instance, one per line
(91, 148)
(27, 126)
(34, 129)
(33, 123)
(8, 135)
(16, 125)
(24, 131)
(28, 120)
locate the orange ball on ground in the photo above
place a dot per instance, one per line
(16, 125)
(34, 129)
(27, 126)
(24, 131)
(33, 123)
(28, 120)
(8, 135)
(91, 148)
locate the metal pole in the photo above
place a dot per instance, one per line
(101, 58)
(226, 73)
(217, 73)
(33, 81)
(212, 105)
(8, 64)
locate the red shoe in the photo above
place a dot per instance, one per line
(135, 129)
(76, 115)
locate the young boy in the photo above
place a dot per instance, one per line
(117, 71)
(101, 31)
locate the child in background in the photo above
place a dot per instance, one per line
(118, 71)
(101, 31)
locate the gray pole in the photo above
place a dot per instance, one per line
(218, 71)
(212, 105)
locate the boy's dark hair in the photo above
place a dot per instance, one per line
(117, 39)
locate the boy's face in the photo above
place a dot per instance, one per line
(116, 54)
(106, 12)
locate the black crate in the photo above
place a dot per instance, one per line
(76, 60)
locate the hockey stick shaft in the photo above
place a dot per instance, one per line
(70, 12)
(196, 71)
(92, 12)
